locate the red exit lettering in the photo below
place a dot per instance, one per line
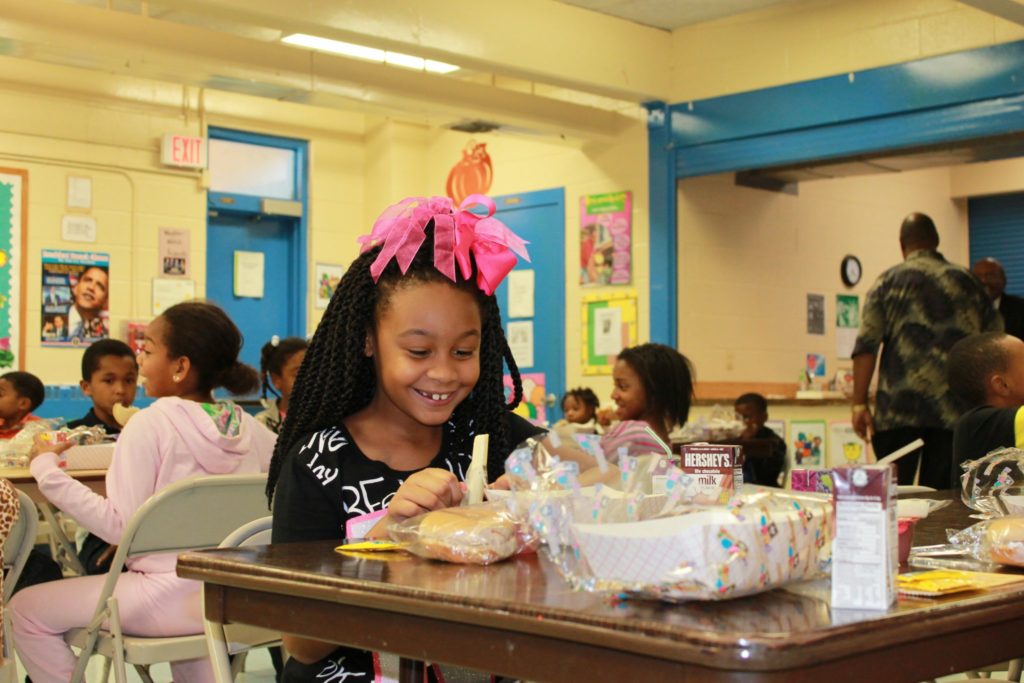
(186, 150)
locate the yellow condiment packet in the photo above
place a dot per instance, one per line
(370, 546)
(939, 582)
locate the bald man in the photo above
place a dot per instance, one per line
(1011, 307)
(914, 313)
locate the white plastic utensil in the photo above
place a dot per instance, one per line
(900, 452)
(476, 475)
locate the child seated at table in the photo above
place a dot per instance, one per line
(20, 394)
(753, 410)
(653, 392)
(191, 349)
(109, 377)
(579, 406)
(280, 360)
(986, 373)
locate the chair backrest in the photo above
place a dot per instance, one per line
(20, 542)
(256, 532)
(195, 513)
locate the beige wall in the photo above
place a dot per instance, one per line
(800, 41)
(523, 165)
(55, 134)
(748, 258)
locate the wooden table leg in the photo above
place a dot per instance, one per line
(410, 670)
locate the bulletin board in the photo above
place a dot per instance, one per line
(609, 325)
(13, 233)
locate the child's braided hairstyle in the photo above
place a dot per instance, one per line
(337, 379)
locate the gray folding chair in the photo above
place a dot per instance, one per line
(188, 515)
(18, 545)
(235, 640)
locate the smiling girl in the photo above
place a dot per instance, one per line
(404, 369)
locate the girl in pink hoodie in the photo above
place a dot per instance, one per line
(189, 351)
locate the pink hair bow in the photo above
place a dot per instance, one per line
(457, 235)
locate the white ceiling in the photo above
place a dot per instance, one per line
(671, 14)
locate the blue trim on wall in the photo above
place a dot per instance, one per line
(983, 74)
(945, 99)
(662, 189)
(249, 204)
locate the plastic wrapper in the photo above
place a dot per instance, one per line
(472, 534)
(648, 539)
(996, 540)
(986, 480)
(15, 451)
(720, 424)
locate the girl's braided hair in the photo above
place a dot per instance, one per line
(337, 379)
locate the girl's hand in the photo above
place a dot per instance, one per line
(503, 483)
(429, 489)
(41, 444)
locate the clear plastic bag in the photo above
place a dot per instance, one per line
(15, 451)
(988, 478)
(472, 534)
(998, 540)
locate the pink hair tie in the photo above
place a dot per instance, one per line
(401, 230)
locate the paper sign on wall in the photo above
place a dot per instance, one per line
(607, 331)
(520, 294)
(174, 252)
(847, 324)
(815, 314)
(167, 292)
(74, 228)
(249, 274)
(844, 446)
(520, 342)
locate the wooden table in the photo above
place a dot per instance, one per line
(62, 548)
(22, 479)
(519, 618)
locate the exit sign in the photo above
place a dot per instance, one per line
(185, 151)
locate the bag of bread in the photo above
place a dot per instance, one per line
(472, 534)
(1004, 540)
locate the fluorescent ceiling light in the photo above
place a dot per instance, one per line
(370, 54)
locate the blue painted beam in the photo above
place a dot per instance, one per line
(662, 213)
(953, 123)
(971, 76)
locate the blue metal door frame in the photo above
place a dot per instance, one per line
(949, 98)
(249, 205)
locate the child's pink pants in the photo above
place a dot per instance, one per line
(150, 605)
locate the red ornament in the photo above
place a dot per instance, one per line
(472, 175)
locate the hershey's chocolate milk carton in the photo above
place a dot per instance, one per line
(865, 549)
(717, 470)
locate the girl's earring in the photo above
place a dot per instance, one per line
(177, 378)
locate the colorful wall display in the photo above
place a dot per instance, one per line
(534, 404)
(606, 237)
(609, 325)
(76, 297)
(808, 440)
(327, 275)
(844, 446)
(13, 232)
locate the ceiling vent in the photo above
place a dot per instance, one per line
(476, 126)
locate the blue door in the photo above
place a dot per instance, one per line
(276, 312)
(539, 218)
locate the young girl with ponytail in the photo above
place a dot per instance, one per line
(189, 351)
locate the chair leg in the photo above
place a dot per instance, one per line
(143, 672)
(105, 674)
(120, 674)
(1013, 674)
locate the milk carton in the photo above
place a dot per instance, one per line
(716, 470)
(865, 557)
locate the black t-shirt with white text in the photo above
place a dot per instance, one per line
(325, 481)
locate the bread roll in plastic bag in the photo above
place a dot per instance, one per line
(472, 534)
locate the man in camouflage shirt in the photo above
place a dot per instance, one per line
(916, 311)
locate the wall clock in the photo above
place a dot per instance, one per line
(850, 270)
